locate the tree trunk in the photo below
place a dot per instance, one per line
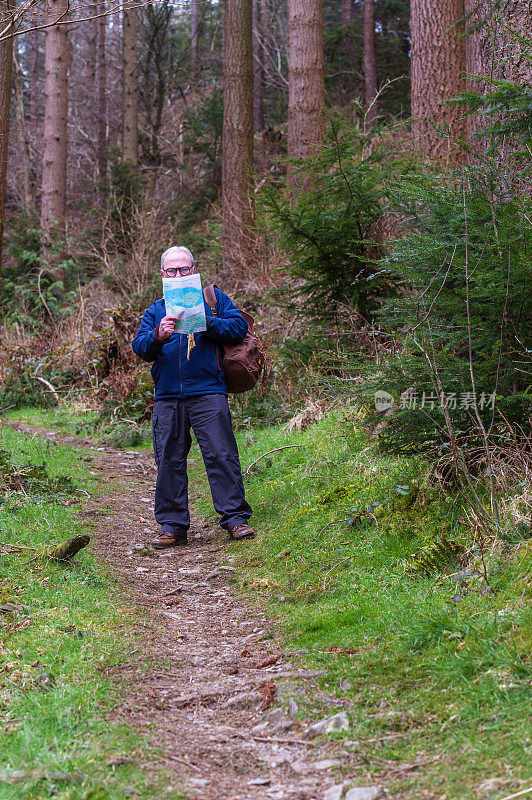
(6, 83)
(238, 237)
(23, 146)
(493, 47)
(101, 148)
(130, 88)
(438, 63)
(54, 162)
(495, 50)
(306, 81)
(266, 27)
(258, 75)
(194, 35)
(34, 81)
(346, 12)
(370, 64)
(91, 119)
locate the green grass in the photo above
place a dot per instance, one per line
(73, 422)
(57, 693)
(446, 677)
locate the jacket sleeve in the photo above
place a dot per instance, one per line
(229, 326)
(145, 344)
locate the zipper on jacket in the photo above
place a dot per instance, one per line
(180, 367)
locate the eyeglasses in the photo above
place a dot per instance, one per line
(172, 271)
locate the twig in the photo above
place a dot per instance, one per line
(16, 546)
(410, 767)
(518, 794)
(334, 522)
(283, 741)
(276, 450)
(334, 567)
(186, 763)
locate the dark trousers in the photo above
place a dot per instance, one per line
(210, 419)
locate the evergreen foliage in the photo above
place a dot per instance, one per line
(331, 228)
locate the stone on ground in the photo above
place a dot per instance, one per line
(338, 722)
(364, 793)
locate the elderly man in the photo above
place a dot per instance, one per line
(191, 393)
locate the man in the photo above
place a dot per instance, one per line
(190, 392)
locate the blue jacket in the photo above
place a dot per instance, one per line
(172, 374)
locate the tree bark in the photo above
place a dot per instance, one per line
(306, 81)
(34, 81)
(266, 25)
(369, 60)
(91, 119)
(492, 47)
(194, 35)
(438, 64)
(238, 236)
(130, 88)
(346, 12)
(54, 162)
(6, 83)
(101, 148)
(23, 146)
(258, 73)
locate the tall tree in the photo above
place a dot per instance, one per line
(91, 60)
(34, 79)
(54, 161)
(369, 59)
(101, 147)
(437, 75)
(306, 78)
(23, 147)
(346, 12)
(258, 72)
(130, 87)
(6, 67)
(194, 34)
(238, 235)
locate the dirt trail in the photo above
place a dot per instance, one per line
(210, 700)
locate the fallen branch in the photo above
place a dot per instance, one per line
(67, 550)
(48, 386)
(276, 450)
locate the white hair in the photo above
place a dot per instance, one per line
(176, 249)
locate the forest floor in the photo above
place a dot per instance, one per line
(222, 677)
(210, 700)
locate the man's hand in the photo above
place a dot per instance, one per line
(167, 327)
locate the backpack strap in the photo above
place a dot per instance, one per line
(211, 299)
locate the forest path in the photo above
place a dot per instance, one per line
(198, 684)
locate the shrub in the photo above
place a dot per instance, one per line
(331, 229)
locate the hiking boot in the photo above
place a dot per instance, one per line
(242, 531)
(169, 539)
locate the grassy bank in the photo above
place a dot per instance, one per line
(60, 642)
(423, 653)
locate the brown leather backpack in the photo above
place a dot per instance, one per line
(243, 363)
